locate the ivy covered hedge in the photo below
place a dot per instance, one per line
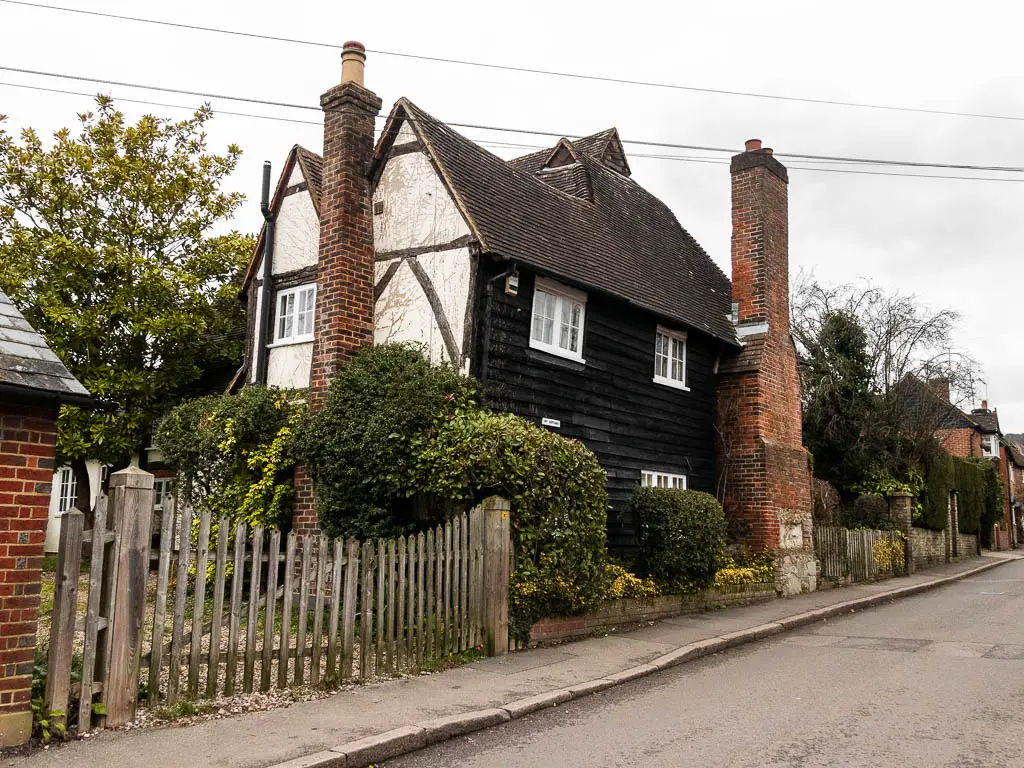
(235, 453)
(402, 443)
(979, 493)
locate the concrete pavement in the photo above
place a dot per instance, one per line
(269, 738)
(936, 680)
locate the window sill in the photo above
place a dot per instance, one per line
(290, 342)
(557, 352)
(671, 383)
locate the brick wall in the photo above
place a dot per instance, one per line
(967, 544)
(763, 466)
(627, 613)
(962, 442)
(28, 435)
(345, 272)
(929, 547)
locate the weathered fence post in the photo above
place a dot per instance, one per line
(901, 510)
(497, 531)
(132, 509)
(65, 603)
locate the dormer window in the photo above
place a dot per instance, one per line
(557, 323)
(990, 446)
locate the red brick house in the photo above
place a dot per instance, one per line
(33, 385)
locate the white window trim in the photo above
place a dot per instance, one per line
(665, 380)
(305, 338)
(995, 440)
(649, 479)
(166, 485)
(545, 285)
(67, 490)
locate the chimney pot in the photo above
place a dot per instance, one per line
(984, 405)
(353, 60)
(752, 145)
(768, 150)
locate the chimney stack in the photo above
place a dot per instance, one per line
(764, 472)
(344, 278)
(939, 385)
(344, 299)
(984, 405)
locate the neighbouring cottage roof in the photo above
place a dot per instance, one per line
(1015, 445)
(26, 361)
(607, 234)
(986, 420)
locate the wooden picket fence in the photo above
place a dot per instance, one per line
(849, 555)
(234, 609)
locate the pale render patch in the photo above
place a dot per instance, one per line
(288, 366)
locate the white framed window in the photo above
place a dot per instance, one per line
(652, 479)
(162, 488)
(558, 318)
(68, 485)
(295, 307)
(670, 358)
(990, 445)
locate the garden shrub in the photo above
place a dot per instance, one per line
(234, 453)
(971, 480)
(868, 511)
(682, 536)
(402, 443)
(360, 448)
(559, 506)
(759, 569)
(626, 585)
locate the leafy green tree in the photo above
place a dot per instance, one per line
(106, 247)
(838, 403)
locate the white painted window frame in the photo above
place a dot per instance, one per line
(162, 488)
(67, 485)
(668, 381)
(562, 294)
(995, 442)
(295, 337)
(651, 478)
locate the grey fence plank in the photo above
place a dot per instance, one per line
(248, 669)
(318, 609)
(65, 604)
(199, 603)
(429, 634)
(163, 573)
(391, 665)
(421, 565)
(217, 615)
(366, 612)
(237, 578)
(180, 595)
(300, 638)
(338, 562)
(286, 614)
(404, 626)
(348, 622)
(381, 632)
(92, 616)
(267, 661)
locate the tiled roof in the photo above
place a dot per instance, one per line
(26, 361)
(987, 420)
(623, 241)
(313, 169)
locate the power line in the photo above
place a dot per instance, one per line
(525, 131)
(525, 70)
(161, 104)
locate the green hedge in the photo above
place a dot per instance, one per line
(940, 480)
(682, 536)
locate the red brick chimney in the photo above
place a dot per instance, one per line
(764, 476)
(344, 296)
(344, 300)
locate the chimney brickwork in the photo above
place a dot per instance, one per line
(345, 276)
(765, 480)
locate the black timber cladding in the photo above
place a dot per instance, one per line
(611, 402)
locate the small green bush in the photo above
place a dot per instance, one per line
(682, 536)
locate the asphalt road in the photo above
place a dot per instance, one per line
(932, 680)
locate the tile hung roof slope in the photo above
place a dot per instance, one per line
(27, 361)
(624, 242)
(987, 420)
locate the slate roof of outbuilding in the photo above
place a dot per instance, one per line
(26, 360)
(987, 420)
(623, 241)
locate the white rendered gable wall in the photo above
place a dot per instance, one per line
(419, 213)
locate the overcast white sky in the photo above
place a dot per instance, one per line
(953, 243)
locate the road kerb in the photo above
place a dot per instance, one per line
(444, 728)
(520, 707)
(400, 741)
